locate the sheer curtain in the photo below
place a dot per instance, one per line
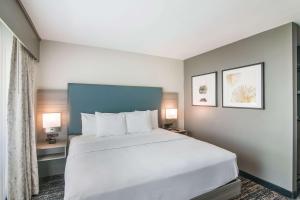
(6, 39)
(22, 158)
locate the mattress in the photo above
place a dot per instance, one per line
(145, 166)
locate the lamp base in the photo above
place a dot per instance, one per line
(51, 141)
(51, 138)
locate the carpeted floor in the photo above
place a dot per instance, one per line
(252, 190)
(52, 188)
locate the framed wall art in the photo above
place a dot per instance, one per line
(243, 87)
(204, 89)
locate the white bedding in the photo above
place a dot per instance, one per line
(159, 165)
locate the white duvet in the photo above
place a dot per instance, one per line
(158, 165)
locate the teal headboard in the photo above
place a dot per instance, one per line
(88, 98)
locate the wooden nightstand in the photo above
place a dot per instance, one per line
(178, 130)
(51, 158)
(55, 151)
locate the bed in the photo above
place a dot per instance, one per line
(148, 166)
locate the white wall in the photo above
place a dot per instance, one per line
(61, 63)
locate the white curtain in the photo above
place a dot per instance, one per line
(22, 158)
(6, 39)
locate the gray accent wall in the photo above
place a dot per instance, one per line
(262, 139)
(13, 16)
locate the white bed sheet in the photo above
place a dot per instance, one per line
(159, 165)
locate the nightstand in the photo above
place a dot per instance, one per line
(55, 151)
(51, 158)
(178, 130)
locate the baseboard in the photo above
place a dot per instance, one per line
(270, 186)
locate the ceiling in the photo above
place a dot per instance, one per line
(169, 28)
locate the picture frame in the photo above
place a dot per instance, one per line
(204, 89)
(243, 87)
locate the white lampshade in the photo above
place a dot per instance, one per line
(51, 120)
(171, 113)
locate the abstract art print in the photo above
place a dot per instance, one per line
(243, 87)
(204, 89)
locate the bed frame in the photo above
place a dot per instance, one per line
(225, 192)
(88, 98)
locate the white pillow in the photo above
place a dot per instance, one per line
(138, 121)
(154, 119)
(88, 124)
(110, 124)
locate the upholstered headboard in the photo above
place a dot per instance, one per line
(88, 98)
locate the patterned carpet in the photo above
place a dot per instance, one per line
(252, 190)
(52, 188)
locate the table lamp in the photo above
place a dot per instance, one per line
(171, 116)
(51, 124)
